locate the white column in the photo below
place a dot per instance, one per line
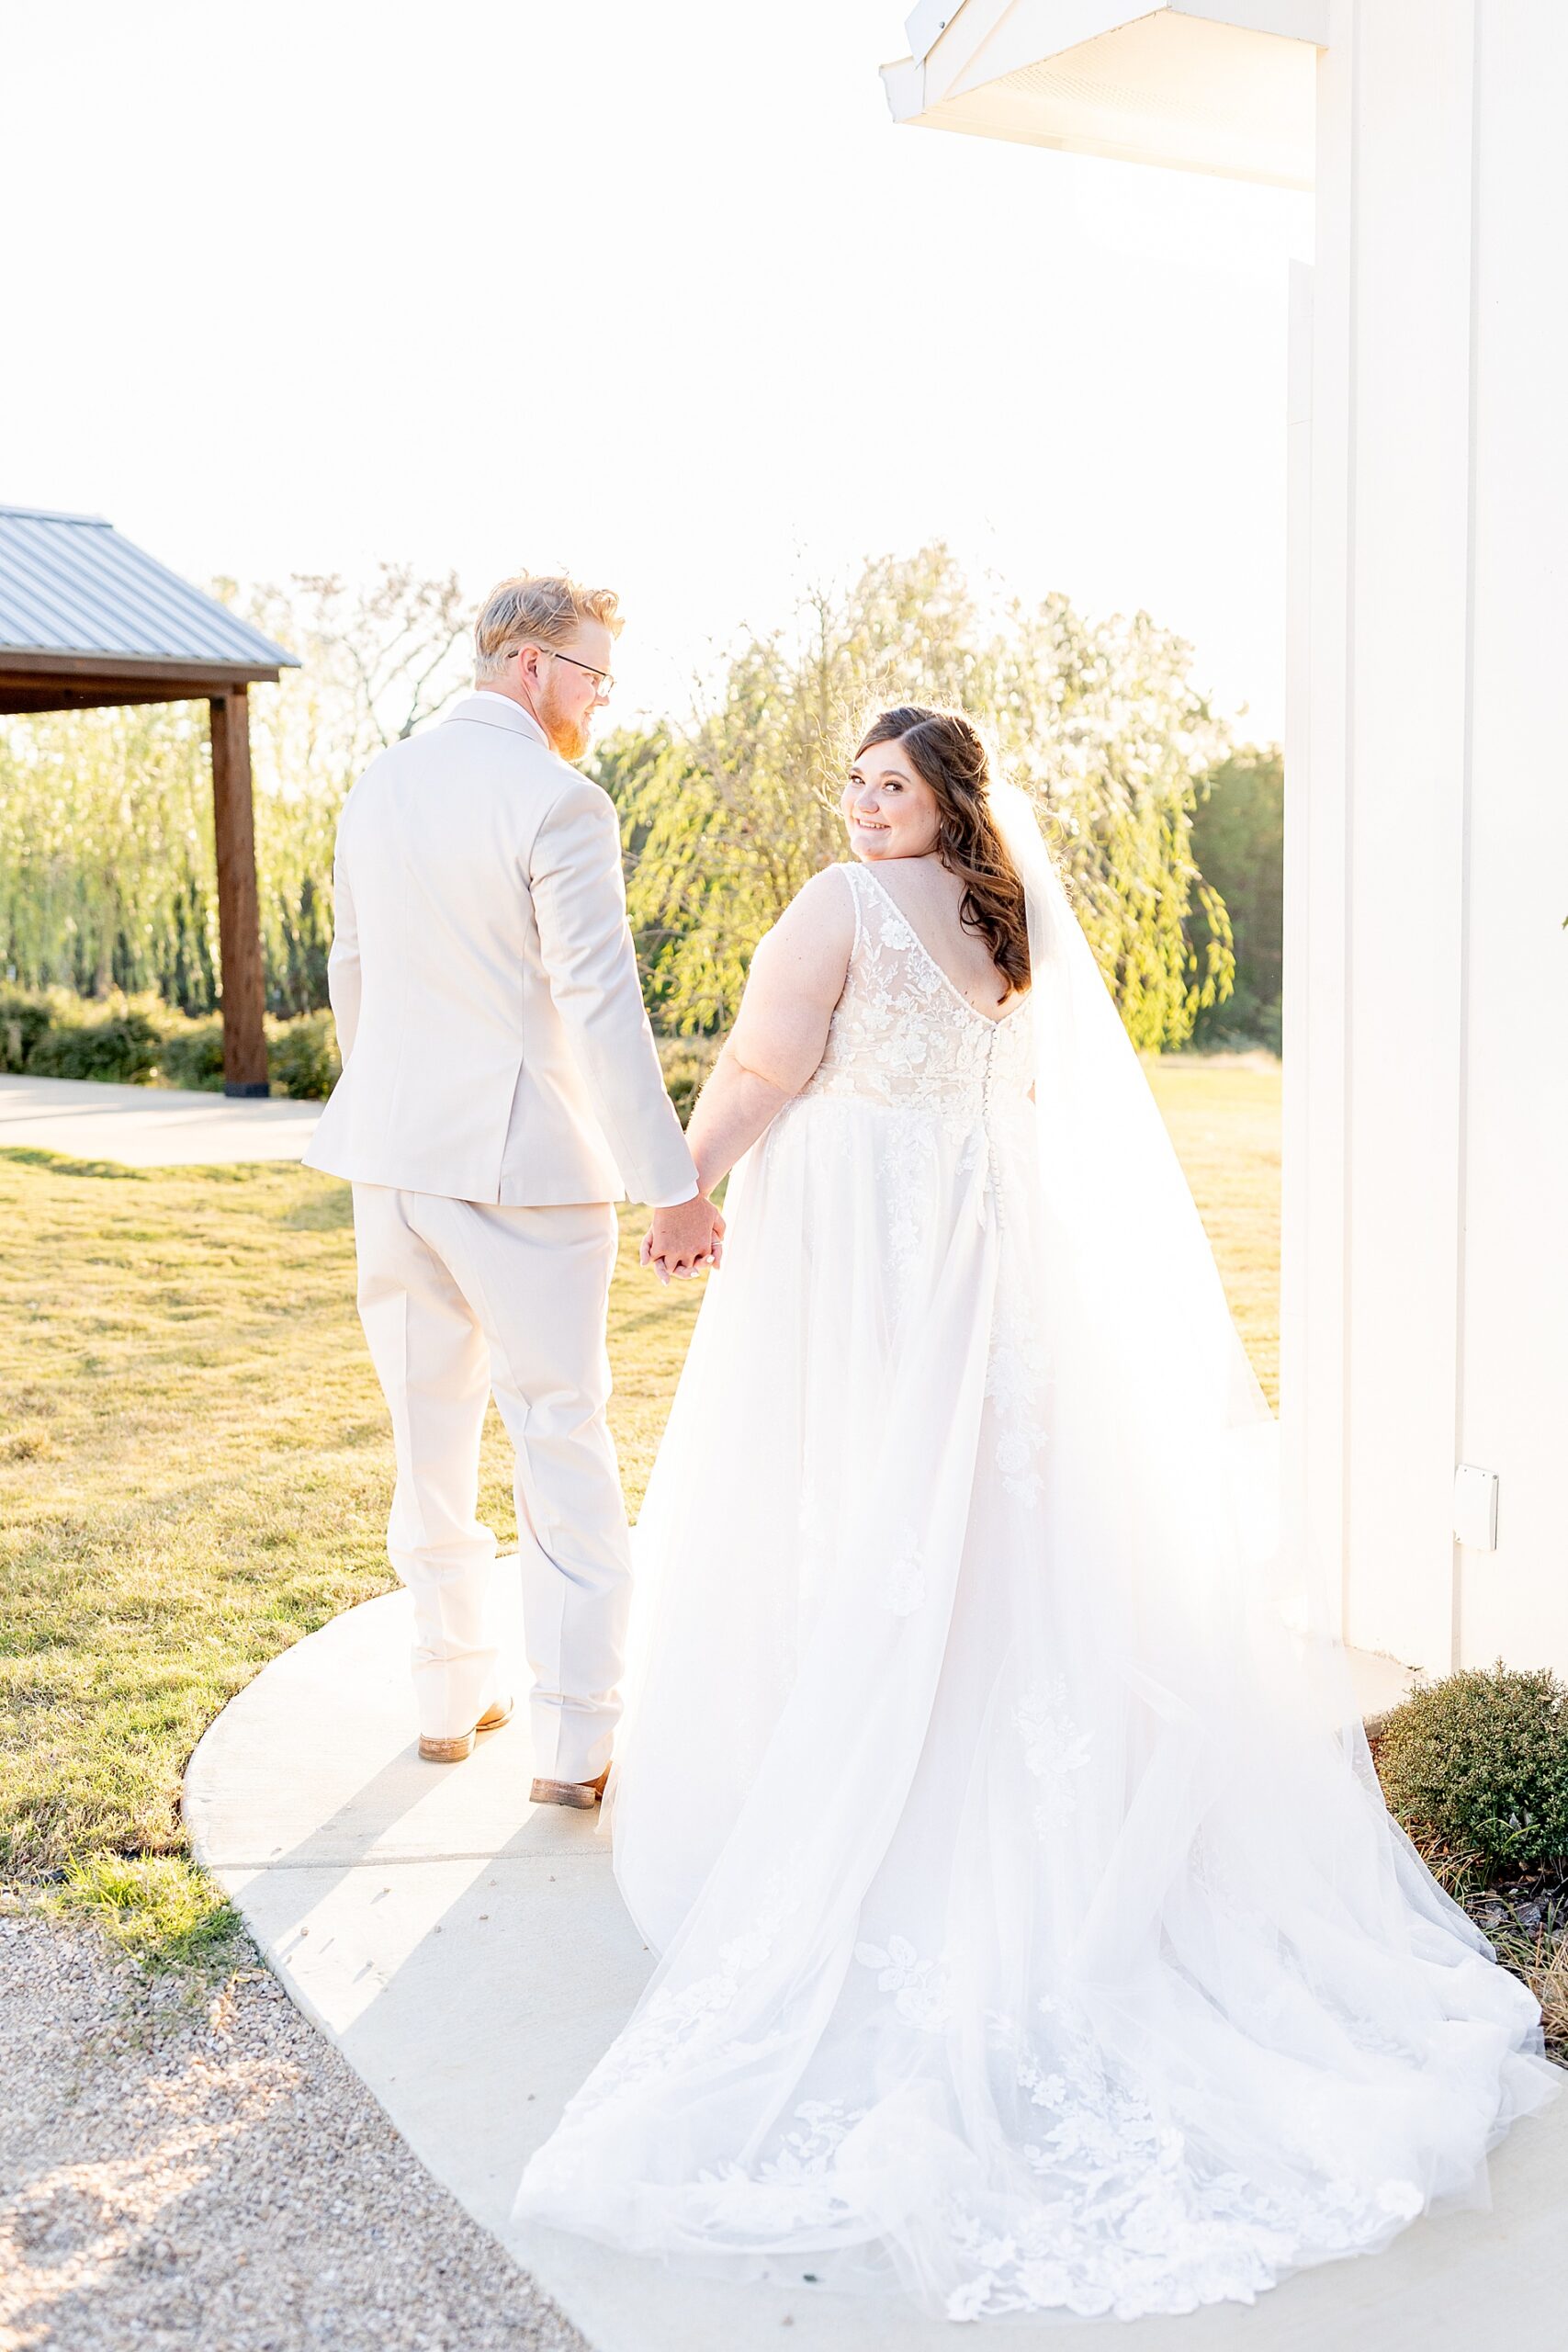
(1513, 1396)
(1410, 590)
(1375, 858)
(1310, 1340)
(1314, 1303)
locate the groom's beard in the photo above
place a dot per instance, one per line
(568, 737)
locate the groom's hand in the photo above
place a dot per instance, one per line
(683, 1239)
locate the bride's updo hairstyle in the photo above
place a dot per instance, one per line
(949, 753)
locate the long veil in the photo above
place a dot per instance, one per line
(1032, 1931)
(1164, 1442)
(1255, 1777)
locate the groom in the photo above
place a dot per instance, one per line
(501, 1090)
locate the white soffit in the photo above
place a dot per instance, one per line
(1222, 87)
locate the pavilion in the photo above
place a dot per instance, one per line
(87, 620)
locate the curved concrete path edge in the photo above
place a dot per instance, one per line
(470, 1956)
(150, 1126)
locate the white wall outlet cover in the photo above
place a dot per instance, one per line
(1475, 1507)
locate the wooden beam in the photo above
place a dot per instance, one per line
(75, 680)
(24, 699)
(239, 915)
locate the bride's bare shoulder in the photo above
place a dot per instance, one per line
(824, 906)
(816, 934)
(829, 901)
(832, 886)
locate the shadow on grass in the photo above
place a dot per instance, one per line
(59, 1163)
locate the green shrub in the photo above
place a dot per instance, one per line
(136, 1039)
(1478, 1763)
(121, 1050)
(192, 1055)
(302, 1056)
(24, 1016)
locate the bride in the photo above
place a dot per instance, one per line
(1034, 1935)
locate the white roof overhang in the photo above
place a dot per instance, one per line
(1223, 86)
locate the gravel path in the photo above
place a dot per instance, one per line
(208, 2175)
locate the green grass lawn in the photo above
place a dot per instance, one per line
(1223, 1118)
(195, 1466)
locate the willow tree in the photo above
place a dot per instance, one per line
(1100, 722)
(105, 853)
(106, 873)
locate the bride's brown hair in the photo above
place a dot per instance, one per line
(949, 753)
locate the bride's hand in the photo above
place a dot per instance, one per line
(704, 1259)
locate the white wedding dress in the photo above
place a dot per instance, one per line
(1034, 1935)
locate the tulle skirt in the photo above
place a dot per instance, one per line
(1034, 1937)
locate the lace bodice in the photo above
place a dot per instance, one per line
(903, 1035)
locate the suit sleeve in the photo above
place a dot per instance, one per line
(343, 962)
(580, 906)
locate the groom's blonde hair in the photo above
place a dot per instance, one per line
(538, 608)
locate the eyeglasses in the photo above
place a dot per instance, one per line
(602, 678)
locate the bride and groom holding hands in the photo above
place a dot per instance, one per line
(1033, 1936)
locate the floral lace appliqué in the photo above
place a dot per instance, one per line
(1055, 1748)
(902, 1036)
(1129, 2220)
(918, 1986)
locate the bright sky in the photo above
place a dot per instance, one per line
(655, 293)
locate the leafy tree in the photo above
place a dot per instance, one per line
(378, 659)
(105, 852)
(105, 847)
(1098, 721)
(107, 875)
(1238, 839)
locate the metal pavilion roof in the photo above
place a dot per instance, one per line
(71, 586)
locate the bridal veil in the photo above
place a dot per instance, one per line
(1033, 1936)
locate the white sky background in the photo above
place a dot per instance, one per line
(657, 293)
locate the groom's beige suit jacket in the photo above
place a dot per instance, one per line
(484, 981)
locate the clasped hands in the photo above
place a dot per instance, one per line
(682, 1240)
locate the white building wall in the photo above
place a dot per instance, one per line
(1425, 1313)
(1409, 577)
(1513, 1384)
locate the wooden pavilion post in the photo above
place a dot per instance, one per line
(239, 912)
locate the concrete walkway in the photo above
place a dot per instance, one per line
(469, 1955)
(148, 1127)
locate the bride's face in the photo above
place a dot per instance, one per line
(890, 811)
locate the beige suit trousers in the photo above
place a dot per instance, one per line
(459, 1299)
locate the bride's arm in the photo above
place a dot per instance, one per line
(796, 977)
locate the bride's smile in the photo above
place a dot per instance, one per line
(889, 810)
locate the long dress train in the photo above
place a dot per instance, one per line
(1034, 1934)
